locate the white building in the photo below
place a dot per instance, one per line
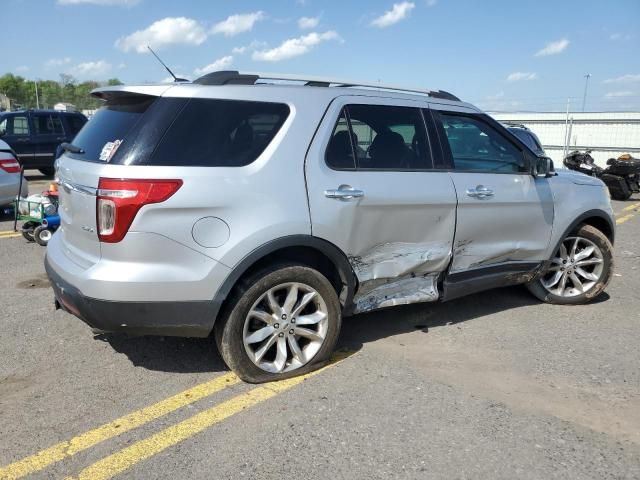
(65, 107)
(607, 134)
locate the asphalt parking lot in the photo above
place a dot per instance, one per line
(495, 385)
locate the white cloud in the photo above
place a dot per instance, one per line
(431, 3)
(57, 62)
(121, 66)
(518, 76)
(400, 11)
(247, 48)
(108, 3)
(622, 36)
(165, 32)
(90, 70)
(307, 23)
(236, 24)
(628, 78)
(21, 69)
(625, 93)
(294, 47)
(553, 48)
(220, 64)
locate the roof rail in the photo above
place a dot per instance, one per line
(233, 77)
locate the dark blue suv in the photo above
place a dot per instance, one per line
(35, 135)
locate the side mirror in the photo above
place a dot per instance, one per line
(542, 167)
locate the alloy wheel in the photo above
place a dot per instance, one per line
(575, 269)
(286, 327)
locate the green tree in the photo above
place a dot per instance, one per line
(23, 92)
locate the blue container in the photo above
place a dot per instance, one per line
(52, 221)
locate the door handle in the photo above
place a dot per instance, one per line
(480, 192)
(344, 192)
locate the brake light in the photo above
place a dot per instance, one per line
(10, 165)
(119, 201)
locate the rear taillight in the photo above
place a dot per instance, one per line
(10, 165)
(119, 201)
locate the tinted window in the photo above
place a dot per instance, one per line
(339, 153)
(14, 125)
(389, 138)
(111, 123)
(75, 123)
(475, 145)
(220, 133)
(527, 138)
(47, 124)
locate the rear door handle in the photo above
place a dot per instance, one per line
(344, 192)
(480, 192)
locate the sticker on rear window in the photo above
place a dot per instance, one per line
(109, 150)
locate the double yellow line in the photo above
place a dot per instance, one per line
(124, 459)
(628, 216)
(9, 234)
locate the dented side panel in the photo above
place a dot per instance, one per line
(398, 235)
(513, 225)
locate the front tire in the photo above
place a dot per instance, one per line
(42, 235)
(579, 271)
(281, 322)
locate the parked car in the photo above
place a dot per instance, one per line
(10, 176)
(262, 213)
(35, 134)
(527, 137)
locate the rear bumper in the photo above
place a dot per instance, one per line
(174, 318)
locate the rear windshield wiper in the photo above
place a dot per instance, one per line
(69, 147)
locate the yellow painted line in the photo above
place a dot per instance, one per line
(10, 234)
(117, 427)
(124, 459)
(620, 220)
(631, 207)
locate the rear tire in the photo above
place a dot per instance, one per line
(27, 231)
(281, 322)
(585, 273)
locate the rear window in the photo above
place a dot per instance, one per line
(219, 133)
(144, 130)
(110, 126)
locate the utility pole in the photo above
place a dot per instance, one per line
(37, 98)
(586, 85)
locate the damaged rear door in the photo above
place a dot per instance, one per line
(373, 193)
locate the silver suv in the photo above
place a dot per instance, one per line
(262, 209)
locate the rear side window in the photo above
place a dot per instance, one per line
(47, 124)
(381, 137)
(75, 123)
(219, 133)
(14, 125)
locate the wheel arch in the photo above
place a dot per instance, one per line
(305, 249)
(596, 218)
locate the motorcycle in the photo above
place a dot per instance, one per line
(621, 176)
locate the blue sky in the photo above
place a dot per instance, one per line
(501, 55)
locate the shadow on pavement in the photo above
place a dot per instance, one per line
(370, 327)
(167, 354)
(191, 355)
